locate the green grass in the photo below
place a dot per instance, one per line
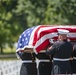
(9, 50)
(8, 54)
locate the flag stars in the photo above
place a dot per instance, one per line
(22, 40)
(29, 34)
(26, 42)
(24, 35)
(25, 38)
(28, 31)
(20, 44)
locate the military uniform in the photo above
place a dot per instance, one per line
(28, 64)
(45, 64)
(74, 60)
(62, 51)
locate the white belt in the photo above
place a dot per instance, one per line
(44, 60)
(74, 58)
(58, 59)
(27, 61)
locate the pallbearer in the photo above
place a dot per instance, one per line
(28, 62)
(74, 60)
(44, 63)
(26, 54)
(61, 51)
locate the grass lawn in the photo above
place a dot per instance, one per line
(8, 54)
(9, 50)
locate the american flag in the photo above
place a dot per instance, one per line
(37, 37)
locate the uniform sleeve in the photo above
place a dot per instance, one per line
(19, 54)
(51, 51)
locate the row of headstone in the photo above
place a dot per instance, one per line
(10, 67)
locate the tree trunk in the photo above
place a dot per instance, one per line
(1, 50)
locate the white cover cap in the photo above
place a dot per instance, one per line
(62, 31)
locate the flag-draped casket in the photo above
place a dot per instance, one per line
(37, 37)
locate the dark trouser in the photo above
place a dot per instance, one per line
(73, 66)
(61, 67)
(45, 68)
(28, 69)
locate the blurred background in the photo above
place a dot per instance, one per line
(18, 15)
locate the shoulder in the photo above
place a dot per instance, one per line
(69, 43)
(58, 43)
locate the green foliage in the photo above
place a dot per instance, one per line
(8, 26)
(35, 12)
(18, 15)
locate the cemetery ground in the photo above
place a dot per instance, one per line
(9, 64)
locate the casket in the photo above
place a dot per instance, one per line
(39, 37)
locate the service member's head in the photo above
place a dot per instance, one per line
(62, 34)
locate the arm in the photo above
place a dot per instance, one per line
(27, 50)
(51, 50)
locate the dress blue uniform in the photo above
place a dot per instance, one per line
(28, 64)
(61, 51)
(45, 64)
(74, 60)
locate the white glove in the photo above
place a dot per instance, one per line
(51, 40)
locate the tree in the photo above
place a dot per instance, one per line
(8, 27)
(18, 15)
